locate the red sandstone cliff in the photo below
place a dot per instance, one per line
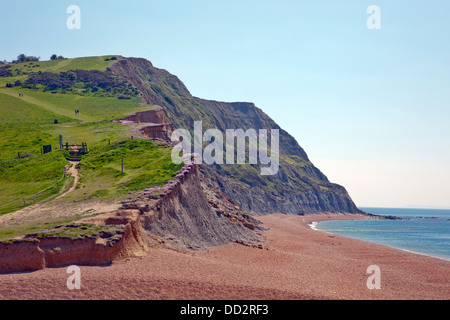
(155, 123)
(34, 252)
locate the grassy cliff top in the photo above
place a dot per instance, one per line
(32, 118)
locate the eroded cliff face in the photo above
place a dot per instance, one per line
(47, 249)
(259, 200)
(192, 214)
(298, 187)
(20, 256)
(156, 125)
(187, 213)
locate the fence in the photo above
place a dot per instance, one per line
(33, 198)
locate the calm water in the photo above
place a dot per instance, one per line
(425, 231)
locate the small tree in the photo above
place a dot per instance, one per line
(56, 57)
(21, 57)
(24, 58)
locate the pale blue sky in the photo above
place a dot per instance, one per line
(370, 107)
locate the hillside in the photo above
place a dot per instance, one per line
(122, 171)
(126, 112)
(33, 117)
(298, 187)
(117, 86)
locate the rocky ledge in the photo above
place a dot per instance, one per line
(94, 241)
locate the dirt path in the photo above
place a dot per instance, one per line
(74, 173)
(20, 215)
(56, 209)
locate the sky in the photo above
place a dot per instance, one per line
(370, 106)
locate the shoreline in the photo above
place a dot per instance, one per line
(313, 226)
(293, 263)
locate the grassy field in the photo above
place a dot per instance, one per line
(26, 126)
(56, 66)
(28, 122)
(63, 105)
(30, 180)
(146, 164)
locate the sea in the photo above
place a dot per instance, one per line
(424, 231)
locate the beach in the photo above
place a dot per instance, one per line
(295, 262)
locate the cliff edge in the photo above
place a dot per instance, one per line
(298, 188)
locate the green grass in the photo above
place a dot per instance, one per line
(35, 168)
(45, 228)
(93, 133)
(79, 230)
(92, 108)
(28, 68)
(84, 63)
(146, 164)
(113, 233)
(23, 141)
(18, 112)
(27, 123)
(7, 233)
(30, 180)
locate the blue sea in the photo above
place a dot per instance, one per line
(425, 231)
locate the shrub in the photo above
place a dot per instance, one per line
(90, 80)
(5, 72)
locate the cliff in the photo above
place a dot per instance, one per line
(186, 213)
(298, 187)
(94, 241)
(203, 205)
(191, 213)
(157, 125)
